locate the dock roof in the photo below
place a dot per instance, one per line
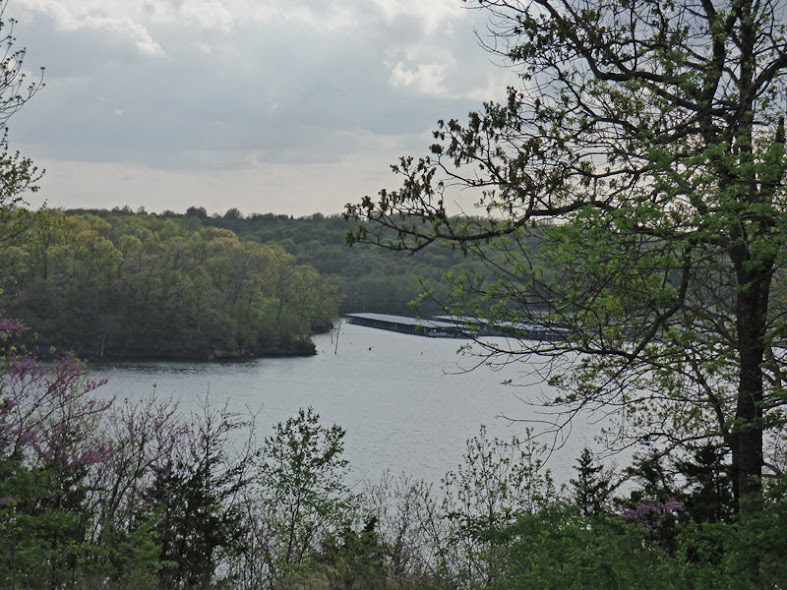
(402, 320)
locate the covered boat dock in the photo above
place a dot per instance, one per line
(405, 325)
(456, 327)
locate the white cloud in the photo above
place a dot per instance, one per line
(435, 17)
(73, 17)
(493, 85)
(207, 15)
(317, 93)
(427, 78)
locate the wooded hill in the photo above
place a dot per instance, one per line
(124, 284)
(117, 285)
(370, 278)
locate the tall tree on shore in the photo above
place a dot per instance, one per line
(651, 135)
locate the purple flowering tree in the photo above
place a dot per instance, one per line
(48, 446)
(92, 489)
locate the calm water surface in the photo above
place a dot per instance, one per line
(407, 402)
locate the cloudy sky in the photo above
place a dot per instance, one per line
(284, 106)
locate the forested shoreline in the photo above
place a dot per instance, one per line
(143, 286)
(369, 278)
(122, 284)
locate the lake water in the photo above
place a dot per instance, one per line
(408, 403)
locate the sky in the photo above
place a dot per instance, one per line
(268, 106)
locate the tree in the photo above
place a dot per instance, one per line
(593, 487)
(497, 482)
(197, 521)
(646, 146)
(303, 498)
(18, 174)
(55, 463)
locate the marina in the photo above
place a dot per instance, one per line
(447, 326)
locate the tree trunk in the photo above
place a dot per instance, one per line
(751, 315)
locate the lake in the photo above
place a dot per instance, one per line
(408, 403)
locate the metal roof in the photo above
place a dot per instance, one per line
(402, 320)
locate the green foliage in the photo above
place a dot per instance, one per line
(354, 558)
(645, 147)
(366, 278)
(18, 174)
(301, 476)
(145, 500)
(557, 548)
(708, 494)
(300, 501)
(593, 487)
(497, 481)
(138, 285)
(191, 502)
(53, 457)
(455, 538)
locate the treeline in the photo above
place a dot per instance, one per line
(369, 278)
(102, 494)
(120, 285)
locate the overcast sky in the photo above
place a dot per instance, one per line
(283, 106)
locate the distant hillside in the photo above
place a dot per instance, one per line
(368, 278)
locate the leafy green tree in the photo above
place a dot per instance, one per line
(356, 557)
(556, 548)
(708, 485)
(496, 482)
(303, 496)
(646, 143)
